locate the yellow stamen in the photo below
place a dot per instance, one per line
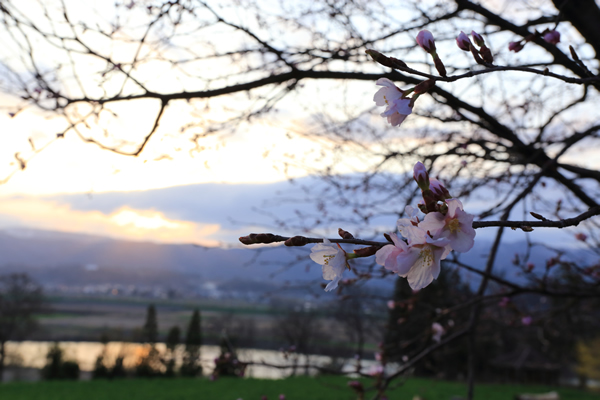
(427, 255)
(453, 225)
(327, 258)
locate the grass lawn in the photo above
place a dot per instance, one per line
(301, 388)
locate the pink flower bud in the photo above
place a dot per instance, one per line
(438, 189)
(463, 41)
(530, 267)
(282, 397)
(425, 40)
(478, 39)
(552, 37)
(421, 176)
(515, 46)
(391, 304)
(581, 236)
(504, 302)
(527, 320)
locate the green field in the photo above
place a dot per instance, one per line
(326, 388)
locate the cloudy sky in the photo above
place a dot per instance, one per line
(174, 191)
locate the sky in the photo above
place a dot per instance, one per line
(170, 193)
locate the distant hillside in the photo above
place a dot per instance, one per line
(55, 258)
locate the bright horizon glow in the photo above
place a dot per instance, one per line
(124, 223)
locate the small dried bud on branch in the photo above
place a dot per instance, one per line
(345, 234)
(255, 238)
(296, 241)
(366, 251)
(538, 216)
(424, 86)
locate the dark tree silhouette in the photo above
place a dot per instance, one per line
(20, 298)
(150, 328)
(193, 341)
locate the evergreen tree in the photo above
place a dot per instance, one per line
(173, 339)
(150, 329)
(193, 340)
(150, 365)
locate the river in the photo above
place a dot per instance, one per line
(25, 359)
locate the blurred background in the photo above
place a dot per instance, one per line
(140, 139)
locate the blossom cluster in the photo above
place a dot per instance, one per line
(417, 251)
(398, 103)
(445, 227)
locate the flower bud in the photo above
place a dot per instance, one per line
(296, 241)
(424, 86)
(486, 54)
(515, 46)
(439, 190)
(366, 251)
(425, 40)
(345, 234)
(379, 58)
(439, 65)
(421, 176)
(552, 37)
(478, 39)
(463, 41)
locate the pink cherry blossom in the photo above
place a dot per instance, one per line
(463, 41)
(389, 95)
(412, 214)
(391, 304)
(398, 111)
(552, 37)
(425, 40)
(504, 302)
(581, 236)
(419, 262)
(456, 226)
(527, 320)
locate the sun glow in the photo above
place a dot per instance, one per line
(124, 223)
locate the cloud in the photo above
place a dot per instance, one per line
(123, 223)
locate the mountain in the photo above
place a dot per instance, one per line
(91, 264)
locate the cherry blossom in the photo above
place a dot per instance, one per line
(456, 226)
(398, 108)
(333, 259)
(418, 261)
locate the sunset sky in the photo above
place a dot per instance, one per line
(77, 187)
